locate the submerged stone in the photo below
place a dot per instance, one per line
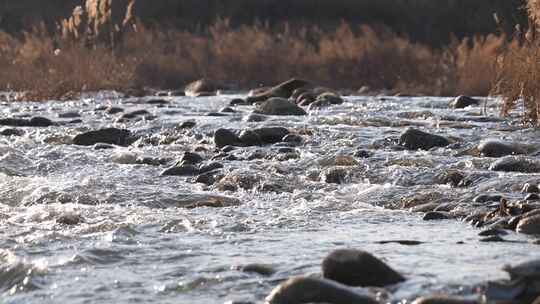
(113, 136)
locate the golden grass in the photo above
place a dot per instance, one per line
(101, 50)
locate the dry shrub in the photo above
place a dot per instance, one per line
(518, 70)
(51, 65)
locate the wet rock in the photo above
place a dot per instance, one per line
(450, 177)
(529, 224)
(182, 170)
(101, 146)
(214, 201)
(250, 138)
(12, 132)
(485, 198)
(227, 110)
(427, 207)
(262, 269)
(492, 232)
(461, 102)
(113, 136)
(414, 139)
(134, 114)
(157, 102)
(495, 148)
(306, 99)
(330, 98)
(532, 197)
(210, 167)
(516, 164)
(228, 149)
(70, 219)
(32, 122)
(150, 161)
(358, 268)
(312, 290)
(238, 102)
(293, 139)
(202, 87)
(225, 137)
(254, 117)
(492, 239)
(443, 300)
(210, 177)
(113, 110)
(69, 115)
(436, 215)
(187, 125)
(270, 135)
(530, 188)
(335, 175)
(402, 242)
(282, 90)
(362, 154)
(279, 106)
(190, 158)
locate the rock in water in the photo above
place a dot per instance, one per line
(202, 87)
(282, 90)
(358, 268)
(516, 164)
(529, 225)
(279, 106)
(495, 148)
(443, 300)
(224, 137)
(113, 136)
(464, 101)
(414, 139)
(312, 290)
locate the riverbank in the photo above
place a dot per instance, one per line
(49, 67)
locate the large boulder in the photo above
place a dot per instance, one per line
(358, 268)
(113, 136)
(226, 137)
(312, 290)
(279, 106)
(282, 90)
(414, 139)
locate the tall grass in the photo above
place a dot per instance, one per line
(518, 70)
(121, 55)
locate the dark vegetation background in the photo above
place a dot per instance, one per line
(427, 21)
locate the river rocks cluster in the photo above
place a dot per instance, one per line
(276, 143)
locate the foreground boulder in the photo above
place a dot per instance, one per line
(516, 164)
(358, 268)
(464, 101)
(279, 106)
(282, 90)
(414, 139)
(312, 290)
(495, 148)
(112, 136)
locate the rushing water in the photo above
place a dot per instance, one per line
(134, 244)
